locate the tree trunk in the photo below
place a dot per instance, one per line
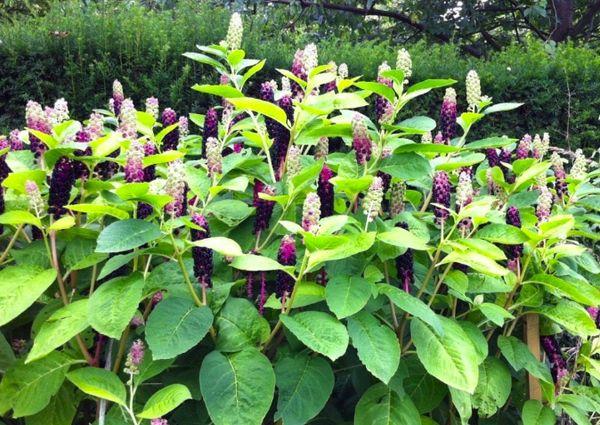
(563, 11)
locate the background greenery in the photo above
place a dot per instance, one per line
(76, 49)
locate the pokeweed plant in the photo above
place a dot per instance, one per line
(297, 261)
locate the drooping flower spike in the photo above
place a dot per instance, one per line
(36, 120)
(264, 208)
(397, 192)
(61, 181)
(448, 115)
(203, 257)
(558, 364)
(134, 167)
(404, 265)
(211, 128)
(441, 196)
(171, 139)
(128, 120)
(372, 200)
(214, 157)
(523, 150)
(287, 257)
(514, 252)
(560, 176)
(325, 191)
(311, 213)
(152, 107)
(361, 142)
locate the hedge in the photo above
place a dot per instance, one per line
(76, 52)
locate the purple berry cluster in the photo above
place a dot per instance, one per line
(203, 257)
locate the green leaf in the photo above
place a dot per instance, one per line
(60, 411)
(218, 90)
(425, 147)
(463, 160)
(406, 166)
(476, 261)
(99, 383)
(127, 234)
(451, 358)
(574, 318)
(346, 246)
(224, 246)
(379, 405)
(305, 384)
(380, 89)
(490, 142)
(59, 328)
(21, 286)
(99, 210)
(255, 263)
(535, 413)
(230, 211)
(239, 326)
(318, 331)
(518, 356)
(347, 295)
(412, 305)
(403, 239)
(237, 388)
(267, 109)
(377, 345)
(175, 326)
(15, 218)
(462, 402)
(33, 385)
(502, 233)
(16, 181)
(493, 388)
(501, 107)
(417, 125)
(202, 58)
(62, 223)
(165, 400)
(7, 356)
(114, 303)
(495, 313)
(579, 291)
(433, 83)
(161, 158)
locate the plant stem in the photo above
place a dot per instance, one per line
(11, 243)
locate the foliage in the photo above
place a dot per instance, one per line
(75, 52)
(296, 259)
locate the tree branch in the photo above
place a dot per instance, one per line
(586, 19)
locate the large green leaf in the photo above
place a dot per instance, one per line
(305, 384)
(535, 413)
(59, 328)
(127, 234)
(502, 233)
(574, 318)
(20, 286)
(379, 405)
(451, 358)
(114, 303)
(33, 385)
(403, 238)
(267, 109)
(347, 246)
(255, 263)
(175, 326)
(412, 305)
(519, 357)
(99, 383)
(237, 388)
(346, 295)
(7, 356)
(239, 326)
(422, 388)
(318, 331)
(165, 400)
(377, 345)
(579, 291)
(60, 411)
(493, 388)
(406, 166)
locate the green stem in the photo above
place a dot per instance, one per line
(11, 243)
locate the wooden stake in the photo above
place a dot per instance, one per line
(532, 337)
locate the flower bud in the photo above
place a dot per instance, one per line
(448, 115)
(579, 168)
(135, 357)
(59, 113)
(16, 143)
(134, 168)
(343, 71)
(397, 192)
(292, 164)
(60, 186)
(524, 148)
(287, 257)
(439, 139)
(560, 184)
(404, 64)
(325, 191)
(175, 187)
(264, 208)
(171, 139)
(286, 88)
(544, 204)
(311, 213)
(322, 148)
(235, 32)
(473, 86)
(203, 257)
(128, 120)
(404, 265)
(372, 200)
(159, 421)
(214, 158)
(152, 107)
(441, 196)
(211, 128)
(361, 142)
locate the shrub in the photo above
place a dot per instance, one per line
(297, 258)
(76, 51)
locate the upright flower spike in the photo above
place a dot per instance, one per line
(473, 85)
(560, 176)
(171, 139)
(175, 187)
(559, 369)
(544, 204)
(152, 107)
(361, 142)
(441, 196)
(16, 143)
(464, 189)
(342, 71)
(135, 357)
(184, 127)
(61, 181)
(448, 115)
(514, 252)
(404, 64)
(325, 191)
(331, 86)
(397, 192)
(36, 203)
(59, 113)
(579, 168)
(128, 120)
(322, 148)
(311, 57)
(262, 297)
(404, 265)
(214, 158)
(95, 126)
(211, 128)
(4, 171)
(235, 32)
(36, 120)
(292, 164)
(286, 87)
(523, 150)
(287, 257)
(149, 172)
(299, 70)
(264, 208)
(117, 97)
(311, 213)
(159, 421)
(372, 201)
(134, 167)
(382, 105)
(203, 257)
